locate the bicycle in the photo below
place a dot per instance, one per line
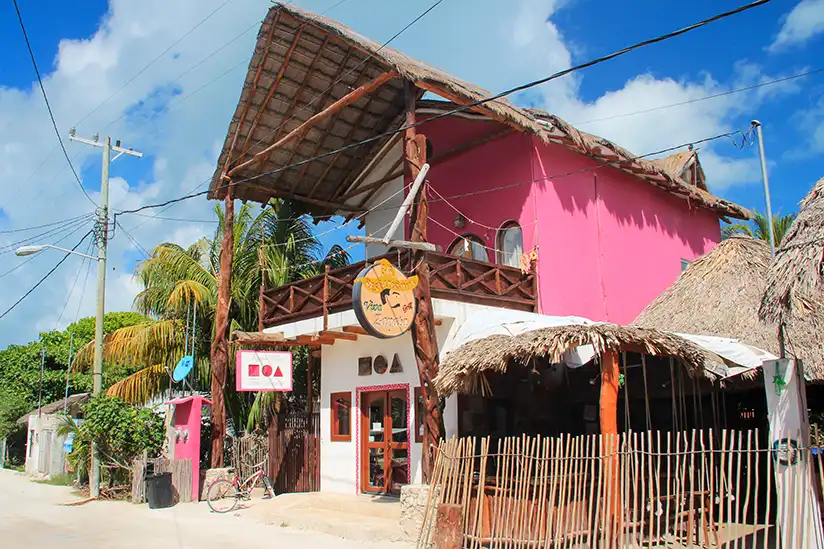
(224, 494)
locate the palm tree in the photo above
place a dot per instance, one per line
(758, 227)
(180, 295)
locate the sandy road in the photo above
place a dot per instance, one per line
(32, 517)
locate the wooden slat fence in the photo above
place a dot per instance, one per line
(246, 452)
(294, 450)
(652, 489)
(181, 477)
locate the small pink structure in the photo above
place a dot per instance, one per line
(187, 415)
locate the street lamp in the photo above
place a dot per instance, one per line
(31, 250)
(97, 369)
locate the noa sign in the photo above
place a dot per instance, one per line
(264, 371)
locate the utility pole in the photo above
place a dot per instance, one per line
(68, 369)
(757, 125)
(102, 247)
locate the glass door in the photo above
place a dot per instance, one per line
(384, 441)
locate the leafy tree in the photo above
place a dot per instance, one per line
(758, 227)
(177, 281)
(121, 432)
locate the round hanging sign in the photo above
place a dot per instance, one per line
(383, 300)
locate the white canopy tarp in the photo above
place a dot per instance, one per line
(739, 356)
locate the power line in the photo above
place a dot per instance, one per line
(24, 229)
(153, 61)
(470, 105)
(48, 274)
(51, 232)
(706, 97)
(74, 284)
(32, 258)
(48, 105)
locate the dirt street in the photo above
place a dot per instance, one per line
(32, 517)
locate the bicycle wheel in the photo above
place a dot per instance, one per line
(222, 496)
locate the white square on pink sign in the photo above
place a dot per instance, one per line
(264, 371)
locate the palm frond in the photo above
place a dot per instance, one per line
(143, 385)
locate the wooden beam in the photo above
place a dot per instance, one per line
(338, 335)
(424, 338)
(355, 330)
(323, 97)
(256, 337)
(273, 192)
(251, 95)
(301, 130)
(287, 114)
(314, 340)
(271, 93)
(458, 100)
(609, 434)
(426, 246)
(386, 149)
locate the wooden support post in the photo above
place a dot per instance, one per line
(262, 278)
(609, 437)
(424, 339)
(220, 343)
(310, 395)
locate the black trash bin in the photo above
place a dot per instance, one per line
(159, 490)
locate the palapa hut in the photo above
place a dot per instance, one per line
(794, 294)
(720, 293)
(576, 376)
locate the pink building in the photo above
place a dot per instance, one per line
(607, 241)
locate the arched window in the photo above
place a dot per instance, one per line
(510, 244)
(470, 246)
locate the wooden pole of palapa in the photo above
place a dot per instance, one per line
(424, 339)
(220, 344)
(609, 439)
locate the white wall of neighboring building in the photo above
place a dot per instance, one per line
(44, 449)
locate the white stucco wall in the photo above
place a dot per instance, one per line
(339, 373)
(385, 203)
(45, 428)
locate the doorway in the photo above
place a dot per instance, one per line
(384, 445)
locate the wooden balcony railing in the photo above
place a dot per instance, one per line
(454, 278)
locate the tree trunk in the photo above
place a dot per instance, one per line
(424, 338)
(220, 344)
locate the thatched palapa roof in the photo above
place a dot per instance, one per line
(464, 369)
(303, 64)
(719, 294)
(794, 293)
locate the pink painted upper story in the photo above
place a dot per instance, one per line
(607, 242)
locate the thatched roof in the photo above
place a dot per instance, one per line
(463, 370)
(795, 287)
(684, 165)
(718, 294)
(71, 404)
(794, 293)
(304, 63)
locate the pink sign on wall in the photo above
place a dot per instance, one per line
(264, 371)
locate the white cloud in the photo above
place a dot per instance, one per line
(494, 48)
(805, 21)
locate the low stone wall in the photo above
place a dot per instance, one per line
(212, 475)
(414, 498)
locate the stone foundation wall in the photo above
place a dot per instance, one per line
(414, 498)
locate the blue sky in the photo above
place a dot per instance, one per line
(88, 50)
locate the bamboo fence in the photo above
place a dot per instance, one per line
(247, 452)
(652, 489)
